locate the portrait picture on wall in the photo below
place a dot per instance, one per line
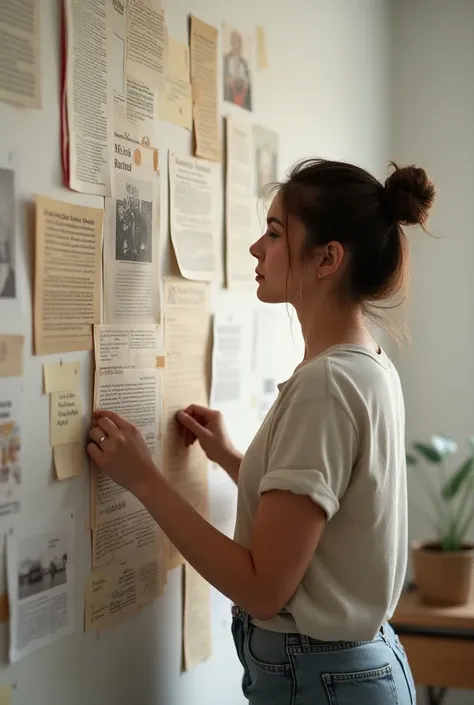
(133, 223)
(8, 288)
(266, 157)
(237, 68)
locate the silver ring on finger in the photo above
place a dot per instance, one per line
(101, 440)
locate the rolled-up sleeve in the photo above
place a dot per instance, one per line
(312, 452)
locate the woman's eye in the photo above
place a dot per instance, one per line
(271, 234)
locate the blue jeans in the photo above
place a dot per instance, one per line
(293, 669)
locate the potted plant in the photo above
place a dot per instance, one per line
(444, 567)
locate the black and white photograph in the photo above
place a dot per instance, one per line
(133, 223)
(237, 68)
(266, 157)
(42, 564)
(8, 286)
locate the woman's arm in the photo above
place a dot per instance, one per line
(260, 579)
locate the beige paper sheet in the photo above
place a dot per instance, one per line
(262, 54)
(66, 418)
(88, 73)
(146, 41)
(132, 232)
(61, 377)
(67, 275)
(203, 50)
(11, 355)
(5, 695)
(194, 226)
(176, 103)
(20, 82)
(125, 384)
(186, 333)
(197, 642)
(118, 591)
(240, 207)
(69, 460)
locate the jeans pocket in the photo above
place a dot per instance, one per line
(270, 674)
(403, 660)
(238, 634)
(267, 650)
(372, 687)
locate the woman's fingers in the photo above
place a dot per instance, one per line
(97, 434)
(117, 420)
(107, 425)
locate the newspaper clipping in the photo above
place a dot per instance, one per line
(40, 574)
(132, 228)
(194, 223)
(11, 397)
(20, 66)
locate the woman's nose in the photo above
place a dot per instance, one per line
(255, 249)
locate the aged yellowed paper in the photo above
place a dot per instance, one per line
(67, 275)
(187, 325)
(20, 82)
(5, 695)
(197, 643)
(176, 103)
(146, 41)
(68, 460)
(61, 377)
(203, 47)
(262, 54)
(118, 591)
(11, 355)
(66, 418)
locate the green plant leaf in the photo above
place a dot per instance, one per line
(465, 525)
(411, 459)
(428, 452)
(471, 444)
(456, 481)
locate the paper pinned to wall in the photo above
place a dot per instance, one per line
(11, 355)
(61, 377)
(67, 261)
(40, 573)
(11, 442)
(203, 50)
(120, 590)
(197, 642)
(9, 238)
(238, 61)
(68, 460)
(265, 144)
(146, 41)
(176, 103)
(240, 205)
(194, 226)
(66, 418)
(129, 347)
(86, 122)
(5, 695)
(132, 232)
(187, 322)
(262, 54)
(20, 66)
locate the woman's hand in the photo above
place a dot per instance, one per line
(120, 451)
(207, 426)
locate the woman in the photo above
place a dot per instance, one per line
(320, 549)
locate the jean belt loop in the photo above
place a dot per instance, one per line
(246, 622)
(383, 632)
(304, 640)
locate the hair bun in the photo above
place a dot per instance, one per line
(409, 195)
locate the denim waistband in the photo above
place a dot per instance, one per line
(296, 639)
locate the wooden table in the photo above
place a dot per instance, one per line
(439, 642)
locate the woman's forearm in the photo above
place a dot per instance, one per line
(231, 464)
(221, 561)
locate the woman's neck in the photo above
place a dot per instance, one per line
(336, 324)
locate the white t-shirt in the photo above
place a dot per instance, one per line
(337, 434)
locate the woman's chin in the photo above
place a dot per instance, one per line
(266, 296)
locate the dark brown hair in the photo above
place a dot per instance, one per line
(342, 202)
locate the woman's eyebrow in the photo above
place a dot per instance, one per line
(272, 219)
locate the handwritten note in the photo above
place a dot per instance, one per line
(11, 356)
(68, 461)
(66, 418)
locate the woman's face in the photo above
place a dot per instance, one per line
(280, 268)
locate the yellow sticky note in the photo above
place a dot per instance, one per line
(66, 418)
(262, 56)
(61, 377)
(5, 695)
(68, 461)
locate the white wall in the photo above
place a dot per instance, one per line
(432, 119)
(326, 93)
